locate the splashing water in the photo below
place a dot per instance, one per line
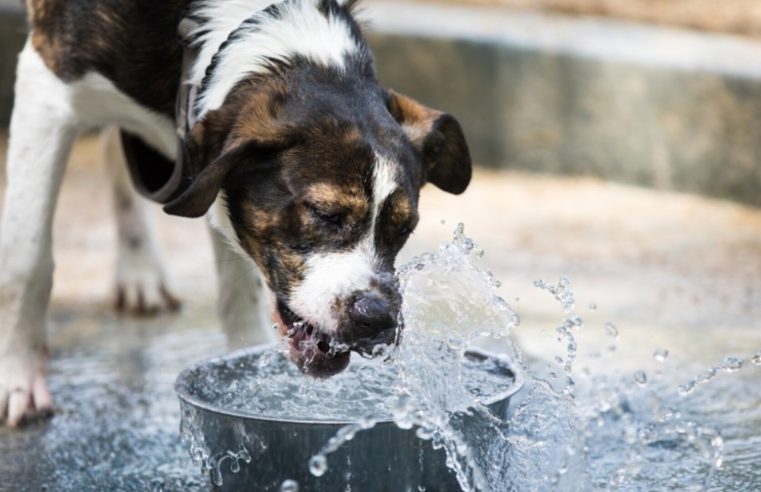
(289, 486)
(598, 432)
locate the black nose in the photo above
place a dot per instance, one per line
(371, 314)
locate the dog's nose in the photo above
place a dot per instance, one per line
(371, 314)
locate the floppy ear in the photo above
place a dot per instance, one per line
(439, 139)
(196, 199)
(244, 133)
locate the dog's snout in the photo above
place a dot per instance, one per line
(371, 313)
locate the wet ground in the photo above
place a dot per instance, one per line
(671, 271)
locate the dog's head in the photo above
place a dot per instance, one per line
(319, 171)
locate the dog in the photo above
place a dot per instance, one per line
(267, 119)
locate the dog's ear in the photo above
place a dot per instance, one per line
(439, 139)
(195, 200)
(244, 133)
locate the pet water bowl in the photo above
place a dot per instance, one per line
(254, 451)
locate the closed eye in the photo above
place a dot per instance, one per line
(333, 218)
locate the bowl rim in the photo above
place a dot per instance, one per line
(181, 389)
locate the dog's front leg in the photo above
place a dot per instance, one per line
(41, 134)
(243, 305)
(141, 282)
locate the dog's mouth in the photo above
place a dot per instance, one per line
(315, 352)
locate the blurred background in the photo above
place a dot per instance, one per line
(617, 142)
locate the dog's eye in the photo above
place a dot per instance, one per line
(335, 219)
(405, 231)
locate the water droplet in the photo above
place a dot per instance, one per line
(455, 343)
(575, 321)
(424, 433)
(706, 375)
(403, 421)
(757, 358)
(717, 441)
(611, 330)
(640, 378)
(592, 306)
(660, 355)
(731, 364)
(289, 486)
(687, 388)
(318, 465)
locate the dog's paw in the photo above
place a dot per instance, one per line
(141, 286)
(24, 392)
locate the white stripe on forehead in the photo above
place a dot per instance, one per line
(384, 184)
(298, 29)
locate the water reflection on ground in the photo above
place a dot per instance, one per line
(116, 425)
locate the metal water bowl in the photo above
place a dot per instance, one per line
(383, 458)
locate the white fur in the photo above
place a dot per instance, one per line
(47, 116)
(219, 221)
(244, 301)
(98, 103)
(42, 131)
(331, 277)
(301, 30)
(384, 184)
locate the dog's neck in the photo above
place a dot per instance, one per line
(237, 39)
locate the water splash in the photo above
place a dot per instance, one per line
(318, 465)
(661, 355)
(203, 454)
(611, 433)
(289, 486)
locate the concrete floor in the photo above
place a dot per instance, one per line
(671, 271)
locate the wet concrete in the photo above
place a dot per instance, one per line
(671, 271)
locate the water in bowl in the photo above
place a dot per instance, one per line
(269, 386)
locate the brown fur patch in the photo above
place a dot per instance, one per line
(347, 200)
(401, 211)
